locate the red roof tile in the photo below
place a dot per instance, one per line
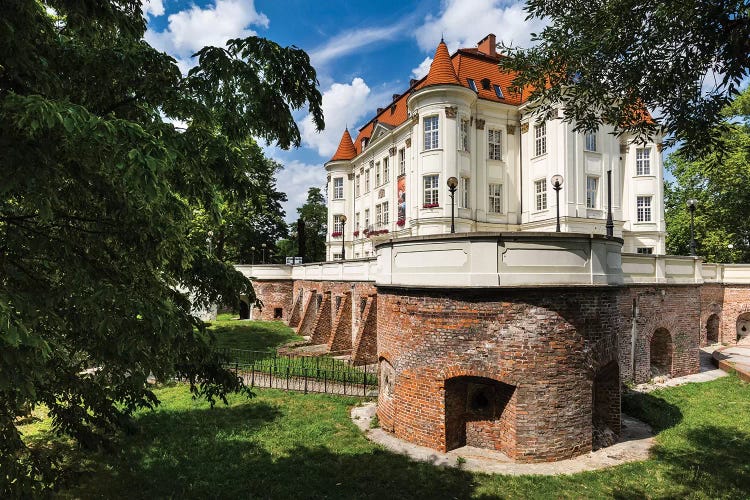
(441, 69)
(346, 150)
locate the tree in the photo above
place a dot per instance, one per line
(607, 61)
(98, 273)
(722, 216)
(315, 215)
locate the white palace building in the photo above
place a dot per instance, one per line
(462, 121)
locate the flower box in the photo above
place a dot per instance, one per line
(336, 234)
(431, 205)
(356, 233)
(400, 223)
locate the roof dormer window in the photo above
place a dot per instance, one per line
(485, 83)
(472, 84)
(364, 143)
(499, 92)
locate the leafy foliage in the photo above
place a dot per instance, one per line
(720, 185)
(606, 60)
(99, 269)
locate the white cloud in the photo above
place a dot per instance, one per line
(295, 179)
(422, 69)
(464, 22)
(154, 8)
(192, 29)
(352, 41)
(344, 104)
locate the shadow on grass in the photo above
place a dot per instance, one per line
(214, 453)
(655, 411)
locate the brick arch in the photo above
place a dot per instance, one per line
(460, 371)
(648, 330)
(643, 344)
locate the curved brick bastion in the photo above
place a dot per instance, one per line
(532, 372)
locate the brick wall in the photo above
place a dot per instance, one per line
(736, 303)
(538, 349)
(274, 295)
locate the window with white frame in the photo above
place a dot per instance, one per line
(592, 191)
(540, 194)
(463, 192)
(338, 188)
(401, 161)
(337, 256)
(367, 218)
(378, 178)
(643, 208)
(338, 224)
(495, 204)
(464, 135)
(356, 221)
(540, 139)
(385, 213)
(645, 250)
(356, 184)
(643, 161)
(590, 141)
(386, 170)
(430, 125)
(367, 180)
(431, 190)
(378, 215)
(495, 144)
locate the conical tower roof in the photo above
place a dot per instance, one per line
(441, 69)
(346, 149)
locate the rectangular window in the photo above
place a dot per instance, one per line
(464, 135)
(643, 161)
(378, 215)
(356, 221)
(644, 250)
(386, 172)
(401, 161)
(338, 188)
(540, 139)
(592, 191)
(590, 140)
(386, 214)
(356, 185)
(472, 84)
(643, 208)
(338, 224)
(499, 92)
(495, 205)
(367, 218)
(367, 180)
(463, 197)
(337, 256)
(430, 132)
(540, 194)
(430, 191)
(378, 177)
(495, 144)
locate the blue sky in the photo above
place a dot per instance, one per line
(363, 52)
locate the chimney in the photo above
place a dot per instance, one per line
(488, 45)
(396, 96)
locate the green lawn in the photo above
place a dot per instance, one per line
(287, 445)
(251, 335)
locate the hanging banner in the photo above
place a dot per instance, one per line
(401, 198)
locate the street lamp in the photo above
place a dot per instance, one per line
(263, 249)
(208, 242)
(610, 223)
(452, 183)
(343, 236)
(691, 203)
(557, 182)
(252, 255)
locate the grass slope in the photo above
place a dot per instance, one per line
(251, 335)
(287, 445)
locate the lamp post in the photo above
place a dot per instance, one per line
(557, 182)
(263, 250)
(691, 203)
(208, 242)
(343, 236)
(610, 223)
(252, 255)
(452, 183)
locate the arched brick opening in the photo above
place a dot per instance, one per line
(712, 329)
(244, 310)
(661, 353)
(605, 407)
(478, 412)
(743, 328)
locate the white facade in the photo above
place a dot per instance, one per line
(504, 158)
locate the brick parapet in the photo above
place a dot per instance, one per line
(275, 295)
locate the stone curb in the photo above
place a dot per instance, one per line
(742, 371)
(634, 446)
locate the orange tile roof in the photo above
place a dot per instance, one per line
(466, 63)
(442, 71)
(346, 150)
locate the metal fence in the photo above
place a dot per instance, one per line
(322, 374)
